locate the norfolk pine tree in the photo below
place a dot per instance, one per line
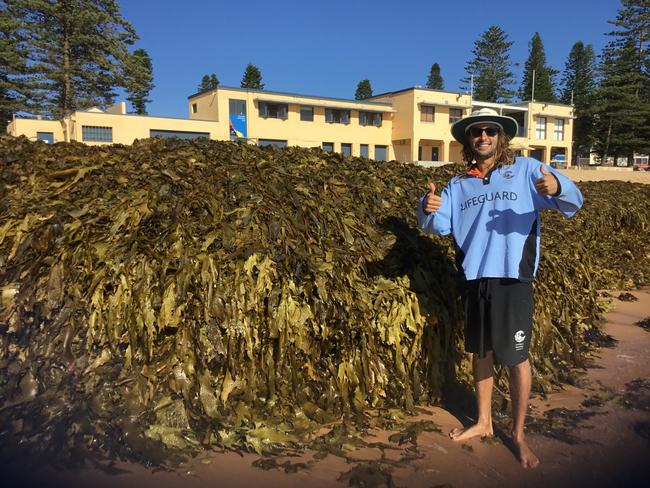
(544, 83)
(578, 88)
(139, 80)
(434, 81)
(364, 90)
(204, 85)
(252, 78)
(16, 81)
(491, 67)
(78, 48)
(622, 112)
(208, 82)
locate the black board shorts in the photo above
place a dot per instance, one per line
(498, 318)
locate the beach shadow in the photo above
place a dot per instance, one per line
(428, 264)
(432, 274)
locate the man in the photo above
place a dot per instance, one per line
(492, 211)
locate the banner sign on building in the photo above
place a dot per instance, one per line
(238, 126)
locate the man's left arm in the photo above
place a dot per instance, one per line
(553, 190)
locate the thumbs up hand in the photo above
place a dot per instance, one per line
(432, 201)
(547, 184)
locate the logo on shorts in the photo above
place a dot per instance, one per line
(519, 339)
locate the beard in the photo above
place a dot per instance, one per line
(484, 154)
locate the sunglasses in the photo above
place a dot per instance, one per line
(477, 131)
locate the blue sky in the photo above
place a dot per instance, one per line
(326, 47)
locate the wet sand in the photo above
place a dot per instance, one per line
(609, 446)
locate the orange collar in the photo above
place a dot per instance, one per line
(474, 171)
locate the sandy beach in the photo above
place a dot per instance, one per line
(603, 174)
(595, 433)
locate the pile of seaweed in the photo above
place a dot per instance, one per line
(179, 295)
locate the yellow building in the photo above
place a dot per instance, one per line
(545, 129)
(112, 126)
(423, 117)
(422, 121)
(352, 127)
(409, 125)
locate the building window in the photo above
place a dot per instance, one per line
(94, 133)
(540, 128)
(307, 114)
(272, 142)
(363, 150)
(381, 153)
(455, 114)
(558, 135)
(180, 134)
(370, 118)
(273, 110)
(346, 149)
(520, 118)
(427, 113)
(237, 119)
(237, 107)
(335, 116)
(195, 108)
(328, 146)
(47, 137)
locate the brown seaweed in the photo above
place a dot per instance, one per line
(173, 296)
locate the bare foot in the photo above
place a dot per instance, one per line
(527, 458)
(477, 430)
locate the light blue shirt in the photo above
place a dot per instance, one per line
(495, 220)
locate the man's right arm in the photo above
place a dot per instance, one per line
(434, 212)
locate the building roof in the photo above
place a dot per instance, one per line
(147, 116)
(301, 95)
(526, 102)
(417, 87)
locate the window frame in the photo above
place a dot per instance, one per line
(46, 137)
(424, 116)
(273, 110)
(179, 134)
(454, 119)
(327, 150)
(364, 148)
(311, 110)
(91, 133)
(558, 135)
(347, 145)
(385, 148)
(234, 104)
(369, 118)
(540, 128)
(279, 143)
(337, 116)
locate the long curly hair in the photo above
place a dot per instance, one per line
(504, 155)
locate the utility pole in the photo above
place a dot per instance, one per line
(471, 88)
(532, 94)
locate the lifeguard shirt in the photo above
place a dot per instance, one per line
(494, 219)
